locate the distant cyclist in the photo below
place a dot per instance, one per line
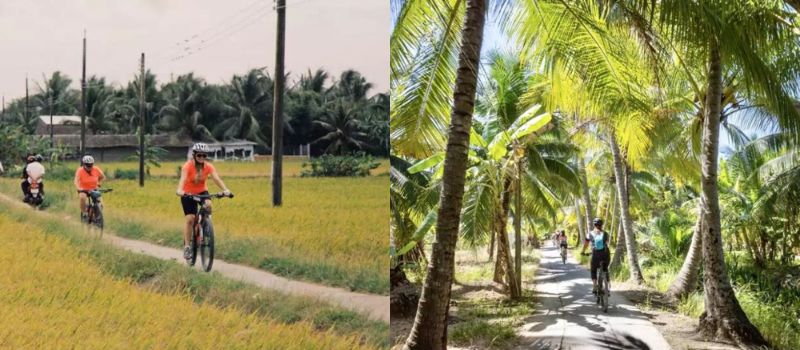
(600, 252)
(34, 172)
(88, 177)
(561, 238)
(193, 182)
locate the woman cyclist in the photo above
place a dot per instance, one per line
(87, 178)
(193, 182)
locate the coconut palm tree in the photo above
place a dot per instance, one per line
(183, 114)
(430, 325)
(341, 124)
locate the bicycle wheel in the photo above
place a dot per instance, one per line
(98, 216)
(196, 234)
(207, 246)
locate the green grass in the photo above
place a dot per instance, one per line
(169, 278)
(490, 322)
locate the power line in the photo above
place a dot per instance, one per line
(255, 18)
(183, 45)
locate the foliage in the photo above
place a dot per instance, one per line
(317, 108)
(337, 166)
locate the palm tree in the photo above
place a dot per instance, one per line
(56, 90)
(99, 106)
(430, 325)
(183, 114)
(342, 127)
(251, 101)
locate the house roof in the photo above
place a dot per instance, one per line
(61, 119)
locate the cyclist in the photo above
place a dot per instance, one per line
(25, 185)
(600, 253)
(193, 182)
(561, 238)
(88, 177)
(33, 172)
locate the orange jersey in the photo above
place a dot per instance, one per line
(88, 180)
(191, 186)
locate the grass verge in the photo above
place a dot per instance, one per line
(169, 278)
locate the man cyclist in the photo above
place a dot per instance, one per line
(33, 173)
(88, 177)
(193, 182)
(600, 252)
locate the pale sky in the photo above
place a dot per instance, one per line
(42, 36)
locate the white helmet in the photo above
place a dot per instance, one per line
(87, 159)
(200, 148)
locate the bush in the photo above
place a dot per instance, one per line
(126, 174)
(334, 166)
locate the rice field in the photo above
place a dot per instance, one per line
(292, 166)
(329, 230)
(60, 300)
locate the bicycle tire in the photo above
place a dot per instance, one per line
(89, 214)
(207, 246)
(195, 234)
(98, 216)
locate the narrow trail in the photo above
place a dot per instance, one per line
(567, 316)
(375, 307)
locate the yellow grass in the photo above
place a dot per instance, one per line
(292, 166)
(336, 228)
(53, 298)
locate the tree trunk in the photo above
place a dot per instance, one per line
(723, 317)
(619, 250)
(504, 248)
(686, 281)
(587, 202)
(491, 247)
(518, 230)
(429, 331)
(502, 255)
(627, 224)
(579, 221)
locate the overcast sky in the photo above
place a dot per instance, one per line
(227, 37)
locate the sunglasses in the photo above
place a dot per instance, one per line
(201, 155)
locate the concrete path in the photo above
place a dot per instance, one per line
(568, 317)
(376, 307)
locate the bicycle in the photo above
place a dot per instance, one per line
(94, 209)
(603, 289)
(36, 197)
(563, 254)
(203, 232)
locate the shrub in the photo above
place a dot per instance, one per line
(336, 166)
(126, 174)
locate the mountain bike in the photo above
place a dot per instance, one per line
(563, 254)
(203, 232)
(94, 209)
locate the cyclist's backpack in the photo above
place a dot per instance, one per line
(598, 241)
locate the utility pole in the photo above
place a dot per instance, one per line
(83, 99)
(142, 123)
(277, 115)
(50, 99)
(4, 108)
(26, 98)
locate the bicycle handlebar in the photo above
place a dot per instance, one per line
(101, 190)
(207, 196)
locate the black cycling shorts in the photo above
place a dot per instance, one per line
(190, 206)
(599, 258)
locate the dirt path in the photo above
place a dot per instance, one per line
(567, 316)
(374, 306)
